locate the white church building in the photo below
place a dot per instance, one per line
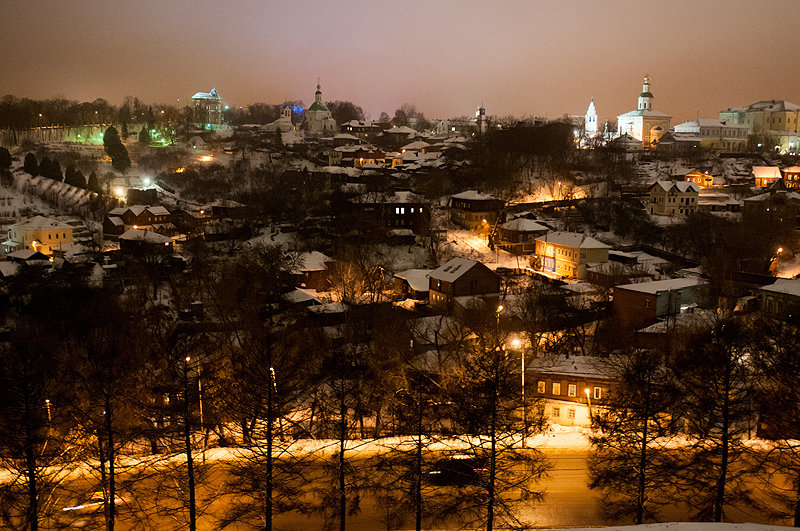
(318, 119)
(644, 123)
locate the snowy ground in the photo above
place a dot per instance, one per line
(687, 526)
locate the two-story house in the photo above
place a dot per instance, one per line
(518, 236)
(472, 209)
(571, 390)
(460, 283)
(39, 234)
(569, 254)
(670, 198)
(153, 218)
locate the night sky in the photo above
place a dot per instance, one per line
(526, 58)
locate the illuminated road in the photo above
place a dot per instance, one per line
(568, 503)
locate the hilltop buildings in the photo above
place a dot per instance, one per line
(207, 109)
(644, 123)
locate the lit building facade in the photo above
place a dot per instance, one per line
(644, 123)
(569, 254)
(207, 109)
(39, 234)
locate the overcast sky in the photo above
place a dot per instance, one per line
(526, 58)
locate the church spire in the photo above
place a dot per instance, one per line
(646, 97)
(318, 94)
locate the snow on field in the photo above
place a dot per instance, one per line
(687, 526)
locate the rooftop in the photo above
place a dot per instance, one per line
(663, 285)
(573, 239)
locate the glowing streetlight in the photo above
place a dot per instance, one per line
(589, 402)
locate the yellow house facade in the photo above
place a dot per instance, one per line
(38, 234)
(670, 198)
(569, 254)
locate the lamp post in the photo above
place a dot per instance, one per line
(589, 401)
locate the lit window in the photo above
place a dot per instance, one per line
(540, 387)
(572, 390)
(598, 393)
(556, 411)
(571, 413)
(556, 388)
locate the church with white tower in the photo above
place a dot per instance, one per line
(590, 120)
(318, 119)
(644, 123)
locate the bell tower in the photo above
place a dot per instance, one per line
(646, 97)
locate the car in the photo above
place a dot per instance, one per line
(93, 504)
(459, 469)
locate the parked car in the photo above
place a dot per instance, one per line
(459, 469)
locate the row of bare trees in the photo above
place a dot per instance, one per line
(106, 389)
(682, 421)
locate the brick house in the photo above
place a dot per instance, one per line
(641, 304)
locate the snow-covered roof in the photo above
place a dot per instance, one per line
(680, 186)
(523, 225)
(572, 239)
(416, 278)
(644, 112)
(419, 144)
(663, 285)
(401, 130)
(27, 254)
(788, 286)
(41, 223)
(147, 236)
(8, 269)
(345, 136)
(474, 195)
(206, 95)
(766, 105)
(792, 169)
(580, 366)
(300, 295)
(767, 195)
(453, 269)
(766, 172)
(311, 261)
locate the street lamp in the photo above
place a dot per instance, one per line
(589, 401)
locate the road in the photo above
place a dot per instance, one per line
(568, 503)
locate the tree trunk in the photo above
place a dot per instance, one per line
(342, 436)
(187, 439)
(492, 453)
(112, 476)
(418, 482)
(719, 502)
(270, 415)
(640, 499)
(30, 462)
